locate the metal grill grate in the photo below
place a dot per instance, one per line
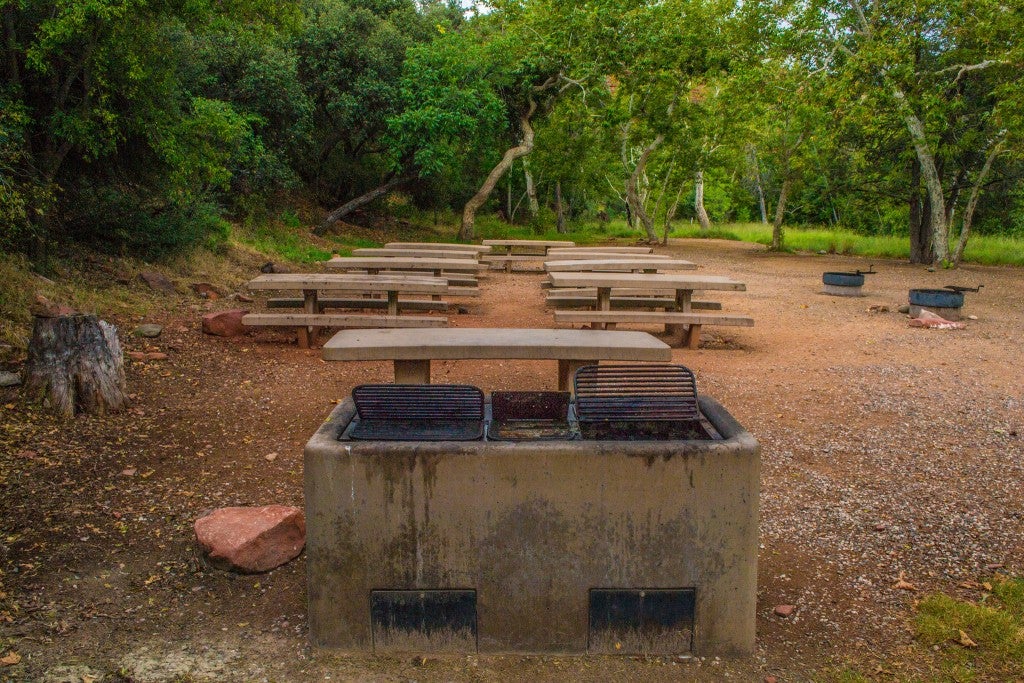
(636, 392)
(418, 412)
(638, 402)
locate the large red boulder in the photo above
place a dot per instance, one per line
(251, 539)
(225, 323)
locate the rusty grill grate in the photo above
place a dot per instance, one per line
(418, 412)
(635, 402)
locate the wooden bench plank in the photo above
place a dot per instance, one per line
(464, 291)
(694, 320)
(337, 320)
(458, 265)
(325, 303)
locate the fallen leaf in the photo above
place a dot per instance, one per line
(86, 678)
(10, 659)
(987, 586)
(966, 641)
(903, 584)
(152, 579)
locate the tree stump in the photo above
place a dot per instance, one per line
(75, 365)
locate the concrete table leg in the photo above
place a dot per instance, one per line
(567, 370)
(392, 303)
(412, 372)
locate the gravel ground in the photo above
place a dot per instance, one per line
(888, 452)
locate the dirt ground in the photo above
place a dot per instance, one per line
(888, 452)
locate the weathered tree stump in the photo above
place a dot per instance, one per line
(75, 365)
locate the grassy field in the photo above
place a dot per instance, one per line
(984, 249)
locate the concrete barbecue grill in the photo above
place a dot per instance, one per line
(624, 525)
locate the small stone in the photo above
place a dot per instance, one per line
(271, 267)
(972, 317)
(206, 291)
(225, 323)
(158, 282)
(270, 457)
(149, 330)
(905, 309)
(44, 308)
(9, 379)
(771, 679)
(881, 526)
(129, 472)
(156, 355)
(242, 298)
(251, 539)
(784, 610)
(822, 252)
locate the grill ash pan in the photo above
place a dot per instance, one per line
(417, 412)
(526, 415)
(638, 402)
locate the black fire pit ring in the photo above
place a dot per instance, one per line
(936, 298)
(843, 279)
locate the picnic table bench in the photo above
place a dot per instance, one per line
(411, 352)
(450, 246)
(618, 264)
(506, 252)
(683, 284)
(417, 252)
(437, 267)
(312, 317)
(572, 251)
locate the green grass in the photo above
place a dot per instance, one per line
(294, 245)
(995, 624)
(984, 249)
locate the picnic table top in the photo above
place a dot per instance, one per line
(406, 263)
(612, 264)
(528, 243)
(647, 281)
(417, 252)
(482, 343)
(450, 246)
(351, 283)
(605, 250)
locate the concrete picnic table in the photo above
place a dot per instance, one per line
(572, 251)
(617, 264)
(449, 246)
(541, 245)
(684, 284)
(412, 350)
(417, 252)
(375, 264)
(313, 283)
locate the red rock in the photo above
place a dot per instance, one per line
(206, 290)
(156, 355)
(137, 355)
(784, 610)
(44, 308)
(250, 540)
(158, 282)
(771, 679)
(225, 323)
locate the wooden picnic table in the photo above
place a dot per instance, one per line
(412, 351)
(313, 283)
(618, 264)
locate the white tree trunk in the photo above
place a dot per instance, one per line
(698, 201)
(930, 175)
(531, 190)
(972, 203)
(525, 146)
(633, 198)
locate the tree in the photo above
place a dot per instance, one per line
(946, 71)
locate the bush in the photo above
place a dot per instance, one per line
(138, 221)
